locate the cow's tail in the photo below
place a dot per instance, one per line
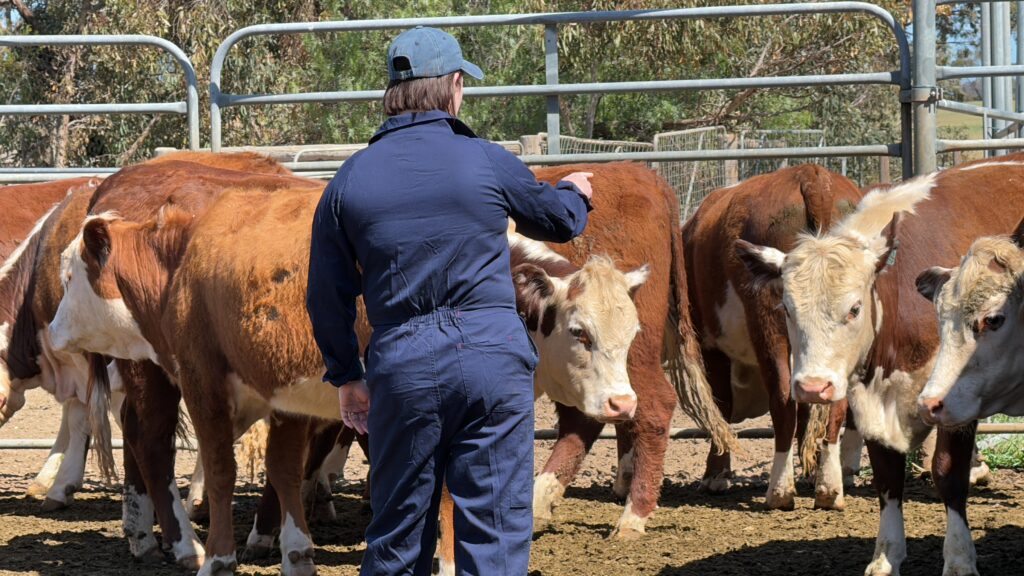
(817, 427)
(682, 350)
(183, 430)
(98, 392)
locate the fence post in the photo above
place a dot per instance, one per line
(924, 91)
(551, 76)
(532, 144)
(884, 174)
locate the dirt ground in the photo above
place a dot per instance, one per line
(691, 534)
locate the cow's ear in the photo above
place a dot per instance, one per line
(636, 278)
(1018, 234)
(96, 238)
(930, 282)
(888, 252)
(763, 262)
(533, 288)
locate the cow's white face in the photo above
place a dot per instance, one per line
(979, 369)
(92, 315)
(827, 284)
(583, 326)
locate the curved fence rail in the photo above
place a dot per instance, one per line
(189, 107)
(552, 88)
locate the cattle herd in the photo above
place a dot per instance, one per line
(793, 293)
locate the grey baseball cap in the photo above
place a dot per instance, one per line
(427, 53)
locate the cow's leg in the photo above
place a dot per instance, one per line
(718, 469)
(48, 473)
(773, 360)
(285, 455)
(850, 448)
(888, 466)
(650, 431)
(137, 512)
(980, 472)
(266, 526)
(951, 470)
(446, 545)
(828, 482)
(625, 445)
(576, 435)
(316, 491)
(150, 425)
(196, 492)
(72, 467)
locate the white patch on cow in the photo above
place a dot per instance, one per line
(781, 487)
(247, 405)
(295, 547)
(995, 164)
(630, 522)
(828, 484)
(850, 447)
(12, 260)
(958, 552)
(886, 410)
(188, 546)
(137, 514)
(547, 491)
(309, 396)
(196, 489)
(257, 540)
(72, 470)
(533, 250)
(891, 543)
(734, 339)
(333, 467)
(87, 322)
(445, 567)
(219, 565)
(624, 474)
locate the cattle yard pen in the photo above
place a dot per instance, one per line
(916, 79)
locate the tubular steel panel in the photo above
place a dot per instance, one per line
(552, 89)
(189, 107)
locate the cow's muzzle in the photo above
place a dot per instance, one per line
(619, 408)
(930, 410)
(814, 391)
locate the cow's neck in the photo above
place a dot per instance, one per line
(540, 319)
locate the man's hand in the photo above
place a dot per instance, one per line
(354, 398)
(582, 181)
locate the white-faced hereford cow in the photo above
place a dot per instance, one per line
(249, 339)
(24, 208)
(743, 328)
(979, 370)
(860, 329)
(190, 182)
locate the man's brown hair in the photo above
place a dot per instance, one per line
(420, 95)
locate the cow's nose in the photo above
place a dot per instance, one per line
(620, 407)
(930, 409)
(814, 390)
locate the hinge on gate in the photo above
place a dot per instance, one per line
(921, 94)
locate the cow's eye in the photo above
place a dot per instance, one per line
(582, 336)
(576, 332)
(989, 323)
(854, 312)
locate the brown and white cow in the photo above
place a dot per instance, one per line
(24, 209)
(861, 331)
(248, 336)
(979, 368)
(190, 181)
(743, 329)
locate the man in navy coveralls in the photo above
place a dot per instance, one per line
(416, 223)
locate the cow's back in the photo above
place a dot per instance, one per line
(980, 198)
(767, 210)
(22, 205)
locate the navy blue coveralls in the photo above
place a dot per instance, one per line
(424, 211)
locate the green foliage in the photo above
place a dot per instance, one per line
(1008, 453)
(763, 46)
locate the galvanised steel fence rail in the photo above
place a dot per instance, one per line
(189, 107)
(552, 88)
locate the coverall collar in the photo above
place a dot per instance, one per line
(394, 123)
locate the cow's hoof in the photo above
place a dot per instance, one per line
(717, 484)
(960, 571)
(980, 475)
(256, 552)
(626, 534)
(190, 563)
(849, 480)
(219, 566)
(780, 501)
(197, 510)
(323, 512)
(299, 563)
(36, 490)
(51, 505)
(829, 501)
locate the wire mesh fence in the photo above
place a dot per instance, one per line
(692, 181)
(574, 145)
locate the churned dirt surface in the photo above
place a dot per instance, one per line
(691, 534)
